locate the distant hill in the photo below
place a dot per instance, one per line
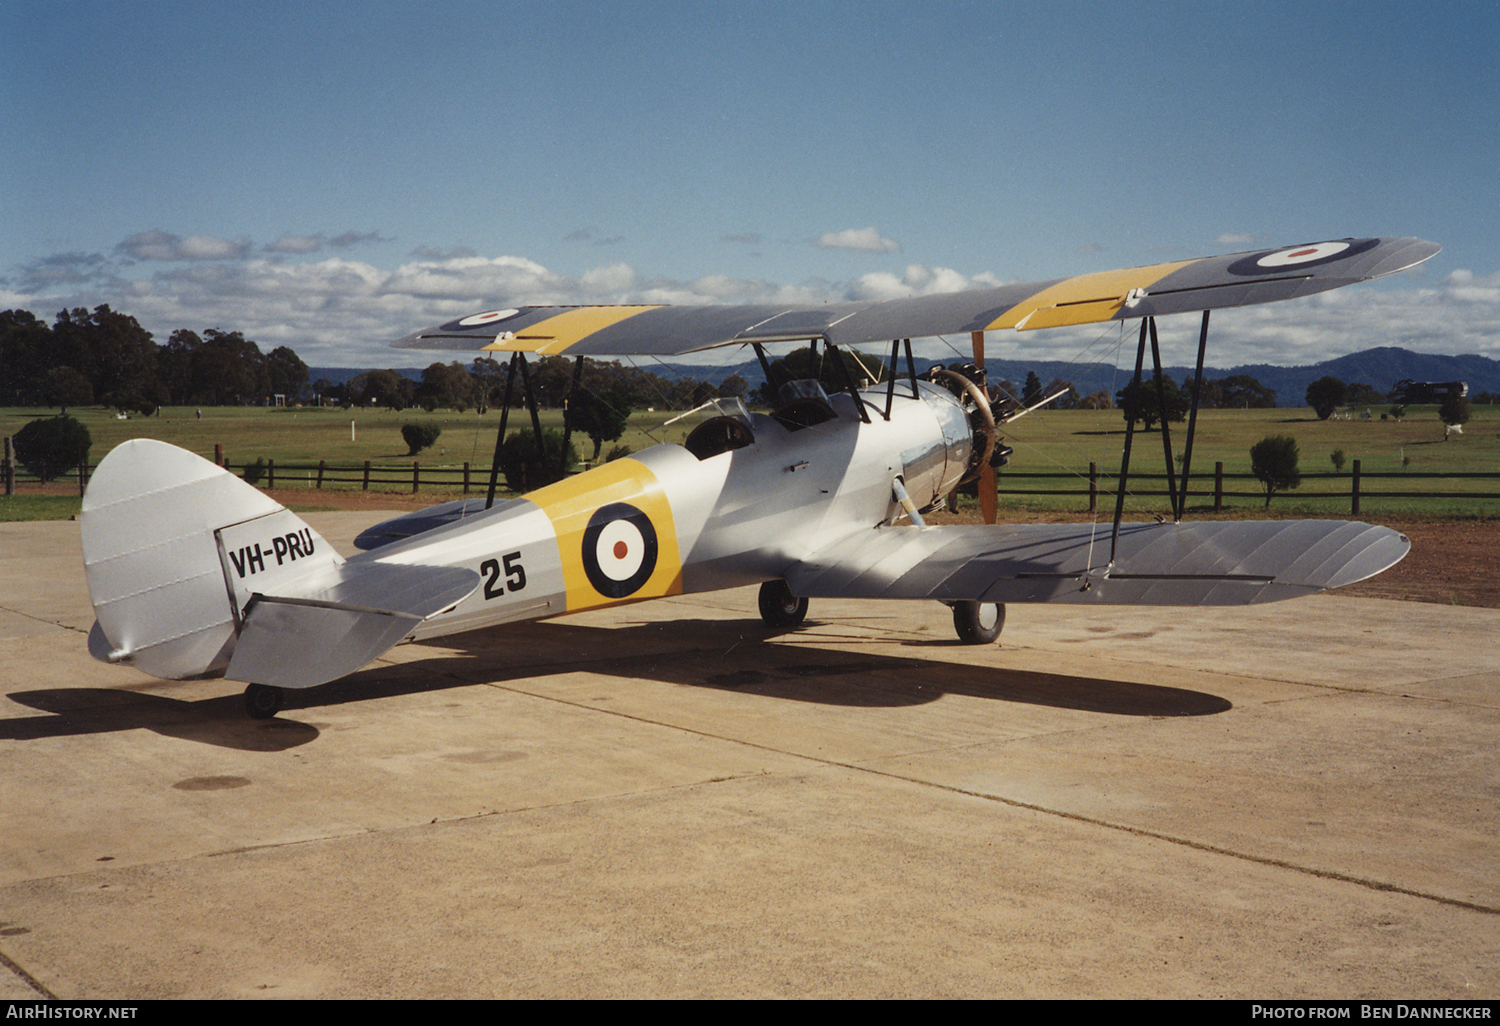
(343, 375)
(1380, 368)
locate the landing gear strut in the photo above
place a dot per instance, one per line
(978, 623)
(779, 607)
(262, 701)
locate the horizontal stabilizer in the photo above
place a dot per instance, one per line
(335, 621)
(1194, 564)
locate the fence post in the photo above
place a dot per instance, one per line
(416, 476)
(366, 486)
(8, 466)
(218, 454)
(1219, 487)
(1354, 492)
(83, 475)
(320, 473)
(1093, 487)
(270, 474)
(466, 477)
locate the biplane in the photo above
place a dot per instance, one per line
(193, 573)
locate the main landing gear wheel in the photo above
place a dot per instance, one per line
(978, 623)
(779, 607)
(263, 701)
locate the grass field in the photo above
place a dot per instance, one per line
(1049, 441)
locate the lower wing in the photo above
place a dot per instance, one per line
(1167, 564)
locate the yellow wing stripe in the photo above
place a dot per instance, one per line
(558, 333)
(1084, 299)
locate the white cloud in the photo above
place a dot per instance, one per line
(866, 240)
(346, 239)
(916, 280)
(296, 244)
(343, 312)
(160, 245)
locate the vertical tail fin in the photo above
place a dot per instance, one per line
(173, 548)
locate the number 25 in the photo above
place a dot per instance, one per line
(515, 575)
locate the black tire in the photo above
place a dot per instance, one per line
(978, 623)
(262, 701)
(779, 607)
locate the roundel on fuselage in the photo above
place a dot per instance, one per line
(619, 550)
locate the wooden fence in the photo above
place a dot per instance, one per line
(1351, 488)
(1090, 490)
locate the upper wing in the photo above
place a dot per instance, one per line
(1197, 564)
(1209, 283)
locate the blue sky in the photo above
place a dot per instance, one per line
(332, 176)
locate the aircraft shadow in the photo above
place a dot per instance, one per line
(732, 655)
(724, 655)
(214, 721)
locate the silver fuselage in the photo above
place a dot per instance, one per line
(739, 517)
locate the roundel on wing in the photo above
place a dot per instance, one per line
(1281, 261)
(619, 550)
(481, 319)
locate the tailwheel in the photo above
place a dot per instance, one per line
(779, 607)
(978, 623)
(262, 701)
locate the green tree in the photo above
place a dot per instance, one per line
(446, 384)
(382, 388)
(63, 387)
(1273, 459)
(1031, 392)
(288, 374)
(1455, 411)
(229, 370)
(113, 352)
(27, 353)
(527, 466)
(1244, 392)
(1327, 394)
(1143, 402)
(52, 446)
(602, 417)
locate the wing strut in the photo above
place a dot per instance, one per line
(1166, 432)
(1187, 454)
(510, 380)
(518, 362)
(1177, 495)
(1135, 392)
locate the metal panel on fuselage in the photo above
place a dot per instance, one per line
(663, 522)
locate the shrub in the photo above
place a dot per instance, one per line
(419, 436)
(526, 467)
(52, 446)
(253, 472)
(1337, 458)
(1273, 459)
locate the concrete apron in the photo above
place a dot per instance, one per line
(667, 799)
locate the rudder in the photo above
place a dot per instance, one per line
(173, 548)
